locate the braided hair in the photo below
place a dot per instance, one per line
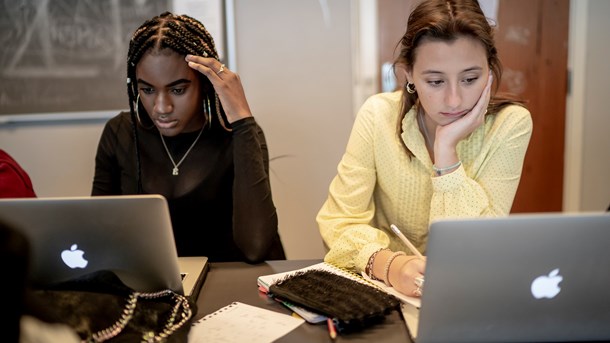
(180, 33)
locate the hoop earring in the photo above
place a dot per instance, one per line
(137, 109)
(410, 88)
(222, 122)
(207, 110)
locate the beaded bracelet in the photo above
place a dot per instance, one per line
(369, 266)
(440, 171)
(386, 269)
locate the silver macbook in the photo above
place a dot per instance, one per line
(193, 270)
(129, 235)
(522, 278)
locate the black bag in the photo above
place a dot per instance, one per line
(99, 307)
(351, 304)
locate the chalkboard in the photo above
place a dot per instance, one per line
(67, 55)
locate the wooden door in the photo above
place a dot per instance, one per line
(532, 40)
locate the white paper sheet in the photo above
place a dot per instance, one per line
(239, 322)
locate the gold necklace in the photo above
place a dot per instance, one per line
(175, 171)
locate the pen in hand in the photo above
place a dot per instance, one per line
(406, 241)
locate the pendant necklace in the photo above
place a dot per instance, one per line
(176, 165)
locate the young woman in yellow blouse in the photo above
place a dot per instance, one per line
(444, 146)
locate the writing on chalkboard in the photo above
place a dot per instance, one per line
(67, 55)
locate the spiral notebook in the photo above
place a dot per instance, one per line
(265, 281)
(239, 322)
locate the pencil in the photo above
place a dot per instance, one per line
(406, 241)
(331, 329)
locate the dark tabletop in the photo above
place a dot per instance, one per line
(236, 281)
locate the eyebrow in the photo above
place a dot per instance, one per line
(425, 72)
(171, 84)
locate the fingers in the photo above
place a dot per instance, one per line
(419, 284)
(210, 67)
(481, 106)
(476, 116)
(487, 90)
(227, 86)
(418, 279)
(411, 280)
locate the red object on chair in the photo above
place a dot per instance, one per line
(14, 181)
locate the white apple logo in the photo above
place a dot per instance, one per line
(73, 258)
(547, 286)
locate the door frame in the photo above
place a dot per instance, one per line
(575, 106)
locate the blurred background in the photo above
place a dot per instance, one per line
(306, 66)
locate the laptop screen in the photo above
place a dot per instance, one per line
(73, 236)
(522, 278)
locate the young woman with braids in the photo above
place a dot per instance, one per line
(444, 146)
(190, 136)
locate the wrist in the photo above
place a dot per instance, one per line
(237, 117)
(368, 270)
(396, 269)
(379, 262)
(440, 171)
(388, 266)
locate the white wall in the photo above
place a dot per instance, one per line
(296, 67)
(58, 155)
(596, 115)
(294, 57)
(587, 160)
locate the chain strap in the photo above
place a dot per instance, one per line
(180, 313)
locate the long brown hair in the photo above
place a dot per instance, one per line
(447, 20)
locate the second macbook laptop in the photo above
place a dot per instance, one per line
(522, 278)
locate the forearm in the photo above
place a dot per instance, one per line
(350, 240)
(457, 195)
(446, 159)
(398, 270)
(487, 183)
(255, 219)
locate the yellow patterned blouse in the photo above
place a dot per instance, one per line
(378, 185)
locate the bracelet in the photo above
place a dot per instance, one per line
(440, 171)
(386, 269)
(369, 266)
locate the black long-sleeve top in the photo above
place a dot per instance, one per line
(220, 203)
